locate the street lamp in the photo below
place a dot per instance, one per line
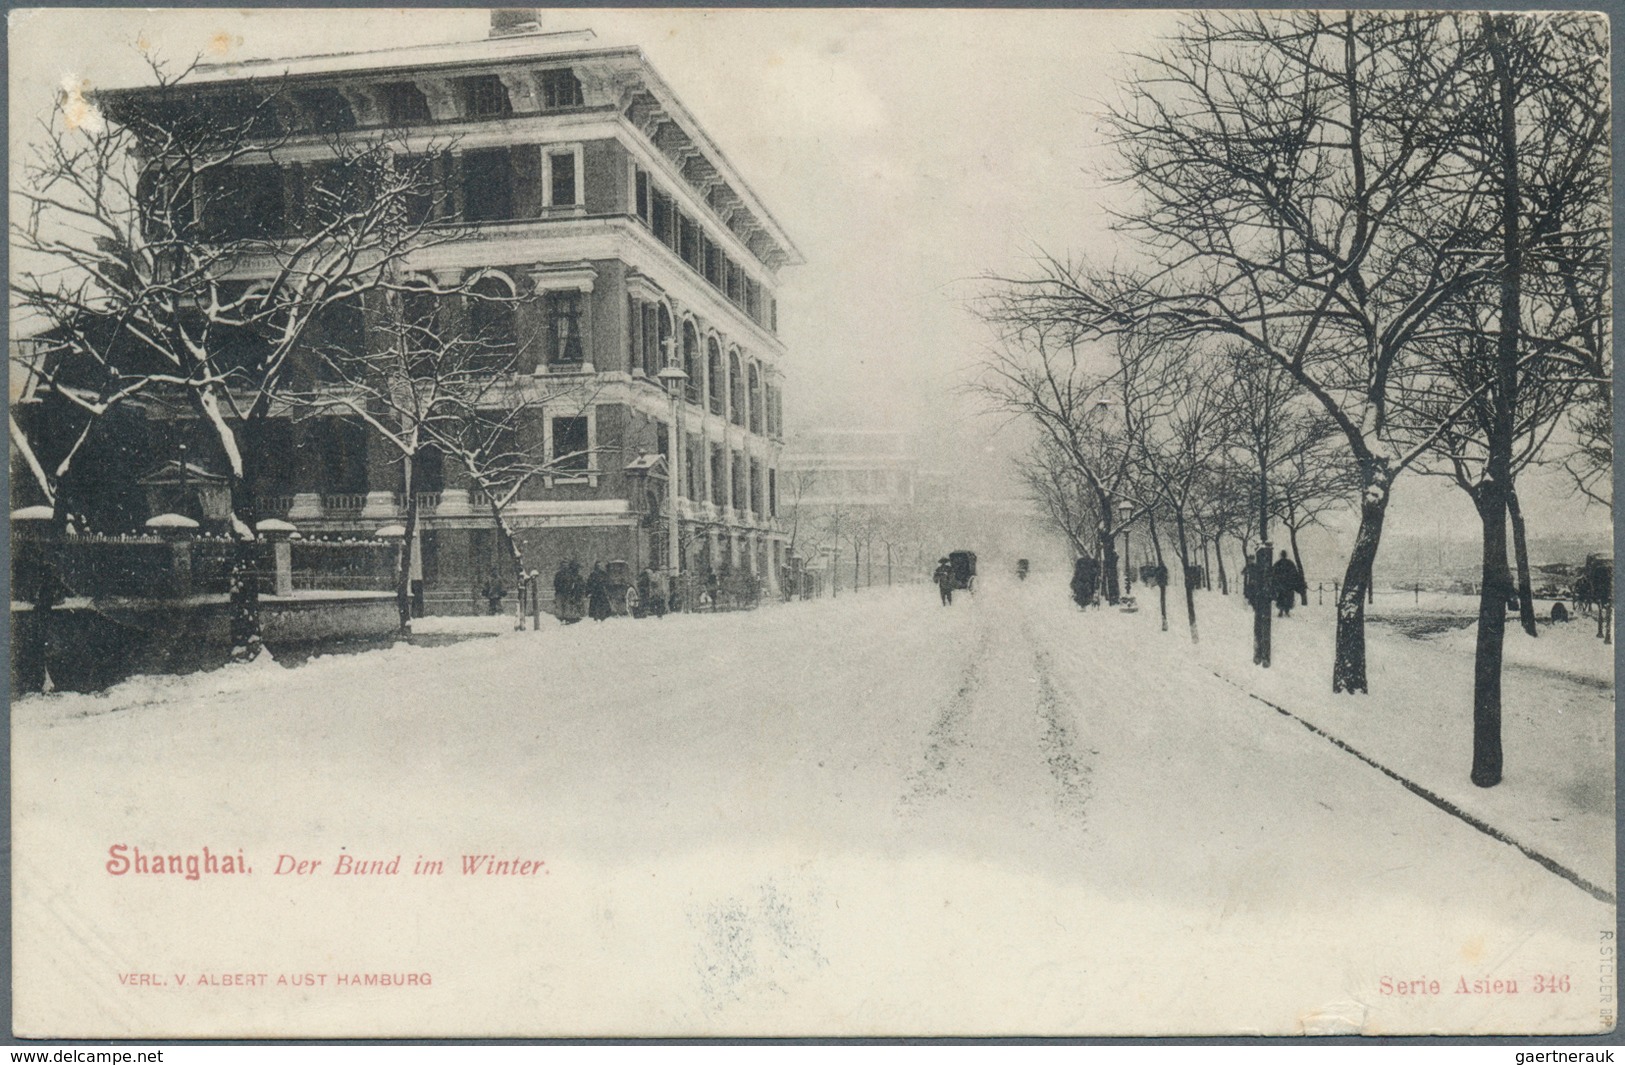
(1125, 509)
(672, 378)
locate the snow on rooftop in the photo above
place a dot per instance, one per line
(515, 47)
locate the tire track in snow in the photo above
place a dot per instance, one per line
(1058, 740)
(1019, 696)
(944, 741)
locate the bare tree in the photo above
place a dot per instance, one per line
(160, 251)
(1076, 398)
(1283, 200)
(1063, 497)
(414, 381)
(1177, 418)
(1514, 349)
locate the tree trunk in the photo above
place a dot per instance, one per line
(1207, 565)
(1185, 571)
(1162, 572)
(1263, 603)
(1297, 560)
(403, 565)
(247, 549)
(1520, 553)
(1109, 586)
(1348, 665)
(1494, 588)
(1218, 558)
(1490, 494)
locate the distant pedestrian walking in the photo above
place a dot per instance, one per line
(944, 577)
(1288, 583)
(598, 592)
(494, 591)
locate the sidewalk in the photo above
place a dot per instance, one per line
(1557, 793)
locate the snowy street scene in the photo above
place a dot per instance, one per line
(1030, 811)
(678, 523)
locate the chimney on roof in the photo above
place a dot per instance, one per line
(513, 21)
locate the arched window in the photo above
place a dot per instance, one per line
(338, 343)
(663, 352)
(691, 362)
(715, 382)
(736, 391)
(491, 322)
(755, 399)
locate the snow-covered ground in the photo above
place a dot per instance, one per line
(869, 815)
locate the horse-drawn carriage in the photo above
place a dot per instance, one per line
(962, 567)
(1594, 593)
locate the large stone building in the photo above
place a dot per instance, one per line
(583, 189)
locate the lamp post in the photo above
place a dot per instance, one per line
(673, 378)
(1124, 510)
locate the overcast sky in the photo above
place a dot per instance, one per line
(906, 152)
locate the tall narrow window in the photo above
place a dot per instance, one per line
(693, 478)
(665, 342)
(772, 493)
(491, 320)
(691, 363)
(736, 391)
(570, 444)
(714, 380)
(634, 327)
(755, 399)
(651, 339)
(561, 167)
(564, 328)
(688, 240)
(640, 193)
(718, 484)
(738, 501)
(662, 213)
(713, 263)
(487, 185)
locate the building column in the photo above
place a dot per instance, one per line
(307, 473)
(775, 563)
(383, 478)
(454, 494)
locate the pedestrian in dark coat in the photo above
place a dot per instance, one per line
(1288, 583)
(944, 576)
(1085, 576)
(494, 591)
(598, 592)
(565, 579)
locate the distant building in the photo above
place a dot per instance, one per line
(851, 467)
(587, 188)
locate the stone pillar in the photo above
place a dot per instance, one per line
(180, 568)
(282, 551)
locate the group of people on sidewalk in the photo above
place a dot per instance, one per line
(575, 596)
(1281, 583)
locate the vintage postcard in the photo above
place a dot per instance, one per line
(810, 523)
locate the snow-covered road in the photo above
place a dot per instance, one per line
(868, 815)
